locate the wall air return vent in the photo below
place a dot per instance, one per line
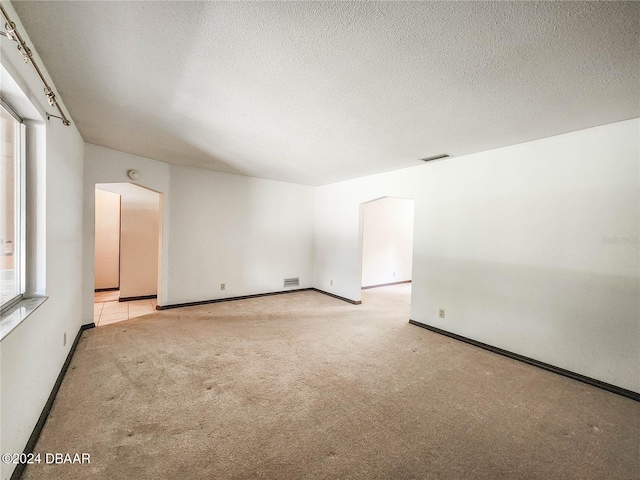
(436, 157)
(292, 282)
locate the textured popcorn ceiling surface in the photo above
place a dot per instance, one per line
(315, 92)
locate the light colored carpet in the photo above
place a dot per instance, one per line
(306, 386)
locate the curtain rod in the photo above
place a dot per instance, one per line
(13, 34)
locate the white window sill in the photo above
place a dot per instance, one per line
(18, 313)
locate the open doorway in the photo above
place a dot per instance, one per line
(128, 229)
(387, 246)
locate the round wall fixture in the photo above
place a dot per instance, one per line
(133, 174)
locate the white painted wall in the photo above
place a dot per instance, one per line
(32, 355)
(512, 243)
(140, 223)
(107, 261)
(246, 232)
(531, 248)
(387, 241)
(337, 235)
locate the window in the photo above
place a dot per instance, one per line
(12, 208)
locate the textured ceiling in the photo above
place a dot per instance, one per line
(314, 92)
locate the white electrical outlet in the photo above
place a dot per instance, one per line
(64, 339)
(222, 286)
(441, 313)
(394, 274)
(331, 283)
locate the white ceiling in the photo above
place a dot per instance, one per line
(315, 92)
(133, 193)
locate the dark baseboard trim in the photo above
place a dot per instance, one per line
(37, 430)
(536, 363)
(385, 284)
(131, 299)
(107, 289)
(348, 300)
(228, 299)
(245, 297)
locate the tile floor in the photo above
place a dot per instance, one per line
(107, 309)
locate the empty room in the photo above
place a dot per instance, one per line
(287, 240)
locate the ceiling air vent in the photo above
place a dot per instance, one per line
(436, 157)
(292, 282)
